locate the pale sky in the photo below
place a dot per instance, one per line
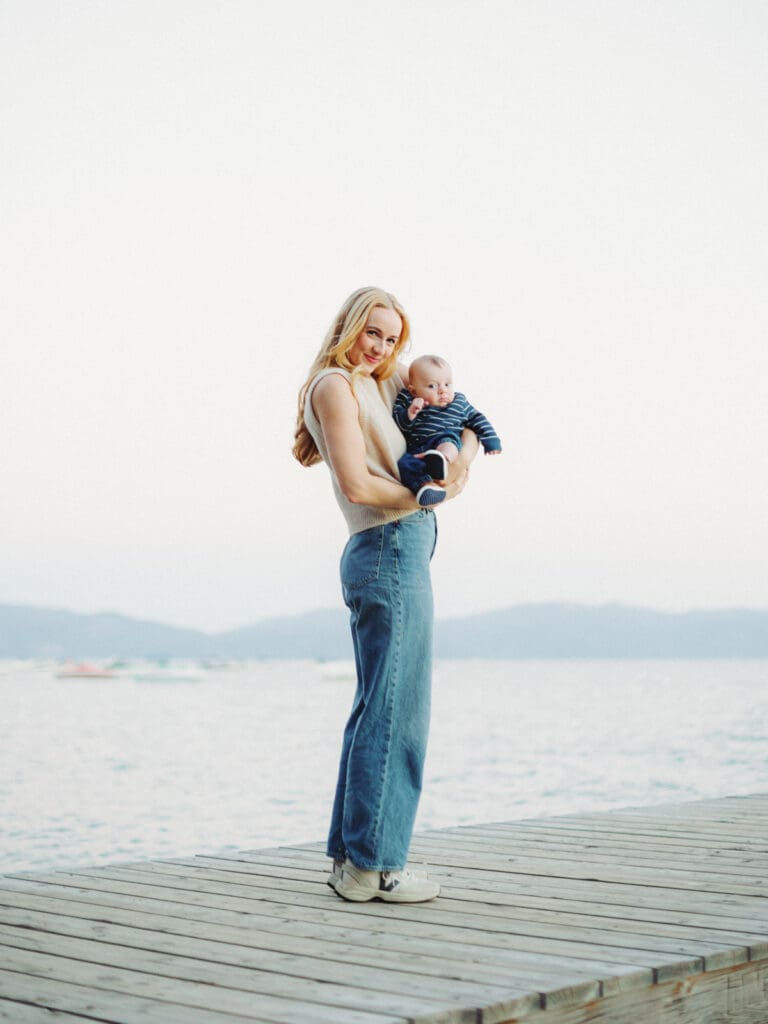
(569, 198)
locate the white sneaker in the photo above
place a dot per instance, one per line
(360, 886)
(335, 876)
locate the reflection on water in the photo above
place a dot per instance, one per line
(184, 758)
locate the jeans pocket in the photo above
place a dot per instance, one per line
(361, 560)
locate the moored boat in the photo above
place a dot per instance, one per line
(84, 670)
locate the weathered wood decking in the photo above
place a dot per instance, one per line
(634, 916)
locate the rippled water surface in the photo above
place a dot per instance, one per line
(181, 759)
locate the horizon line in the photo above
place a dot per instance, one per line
(602, 605)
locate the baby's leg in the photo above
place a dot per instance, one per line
(449, 450)
(437, 460)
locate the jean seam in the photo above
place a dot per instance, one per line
(394, 684)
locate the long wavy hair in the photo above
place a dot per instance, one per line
(342, 335)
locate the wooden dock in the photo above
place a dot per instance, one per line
(635, 916)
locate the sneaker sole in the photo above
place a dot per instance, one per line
(366, 896)
(387, 897)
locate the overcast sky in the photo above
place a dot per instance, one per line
(570, 199)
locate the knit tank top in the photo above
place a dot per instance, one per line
(384, 444)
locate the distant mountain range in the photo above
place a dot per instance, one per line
(522, 631)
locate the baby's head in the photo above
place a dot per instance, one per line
(431, 378)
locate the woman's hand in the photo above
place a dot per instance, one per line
(457, 485)
(458, 472)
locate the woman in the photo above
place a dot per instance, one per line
(345, 420)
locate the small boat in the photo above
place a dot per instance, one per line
(83, 670)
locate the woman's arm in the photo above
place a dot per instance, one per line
(470, 446)
(336, 408)
(458, 471)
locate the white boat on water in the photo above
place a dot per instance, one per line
(84, 670)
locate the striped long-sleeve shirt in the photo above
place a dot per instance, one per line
(435, 424)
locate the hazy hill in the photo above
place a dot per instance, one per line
(523, 631)
(28, 632)
(605, 631)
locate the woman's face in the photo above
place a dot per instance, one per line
(377, 339)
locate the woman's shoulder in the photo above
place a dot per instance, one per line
(329, 389)
(330, 371)
(329, 378)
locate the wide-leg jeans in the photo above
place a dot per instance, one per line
(387, 588)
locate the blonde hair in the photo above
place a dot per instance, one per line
(342, 335)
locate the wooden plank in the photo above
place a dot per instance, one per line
(677, 829)
(245, 873)
(674, 860)
(206, 996)
(680, 823)
(481, 959)
(732, 996)
(61, 900)
(427, 852)
(64, 1001)
(586, 827)
(574, 886)
(632, 853)
(213, 894)
(481, 878)
(666, 878)
(714, 808)
(611, 845)
(410, 929)
(24, 1013)
(369, 947)
(584, 933)
(540, 885)
(99, 889)
(662, 965)
(296, 960)
(298, 905)
(385, 947)
(642, 914)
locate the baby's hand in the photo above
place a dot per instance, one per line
(494, 451)
(415, 408)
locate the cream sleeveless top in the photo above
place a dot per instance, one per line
(384, 444)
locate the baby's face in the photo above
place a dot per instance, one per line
(433, 384)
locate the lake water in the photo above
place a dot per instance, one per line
(183, 759)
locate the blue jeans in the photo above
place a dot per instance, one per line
(387, 588)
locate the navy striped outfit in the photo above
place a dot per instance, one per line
(431, 427)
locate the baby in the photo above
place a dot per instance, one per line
(432, 416)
